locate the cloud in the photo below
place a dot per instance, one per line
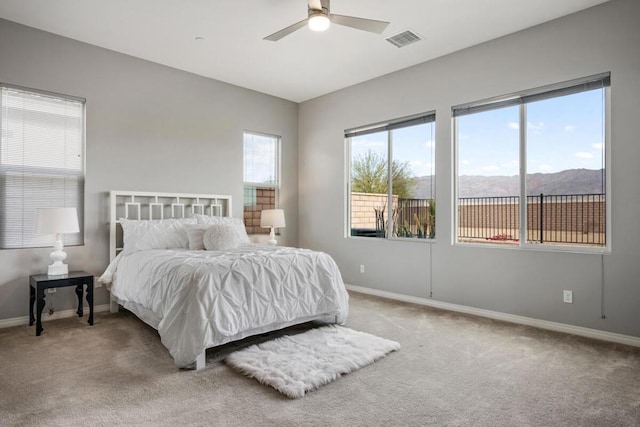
(420, 168)
(364, 143)
(598, 146)
(530, 126)
(533, 126)
(510, 165)
(544, 167)
(261, 161)
(569, 128)
(465, 162)
(488, 170)
(430, 144)
(583, 155)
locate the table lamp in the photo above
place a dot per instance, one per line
(272, 218)
(57, 221)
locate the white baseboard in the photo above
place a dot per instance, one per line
(512, 318)
(24, 320)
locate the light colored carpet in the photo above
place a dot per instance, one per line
(297, 364)
(453, 370)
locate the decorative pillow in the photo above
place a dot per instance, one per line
(225, 235)
(143, 234)
(195, 235)
(206, 219)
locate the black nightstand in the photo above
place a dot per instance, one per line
(39, 282)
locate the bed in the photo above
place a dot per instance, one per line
(184, 266)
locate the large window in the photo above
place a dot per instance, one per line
(261, 178)
(391, 179)
(41, 163)
(531, 167)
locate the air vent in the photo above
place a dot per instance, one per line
(404, 38)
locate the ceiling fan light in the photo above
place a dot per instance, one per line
(319, 22)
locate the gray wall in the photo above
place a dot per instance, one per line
(154, 128)
(521, 282)
(149, 128)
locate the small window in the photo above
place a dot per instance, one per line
(391, 179)
(531, 167)
(261, 178)
(41, 163)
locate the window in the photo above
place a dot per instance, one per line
(391, 179)
(41, 163)
(531, 168)
(261, 178)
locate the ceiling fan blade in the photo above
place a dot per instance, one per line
(370, 25)
(286, 31)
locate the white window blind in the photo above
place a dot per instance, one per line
(41, 163)
(597, 81)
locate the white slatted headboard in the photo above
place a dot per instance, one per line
(150, 205)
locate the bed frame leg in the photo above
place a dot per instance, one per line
(201, 360)
(113, 305)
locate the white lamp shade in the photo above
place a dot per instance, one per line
(272, 218)
(57, 221)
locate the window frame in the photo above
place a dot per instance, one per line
(597, 81)
(56, 171)
(278, 176)
(388, 126)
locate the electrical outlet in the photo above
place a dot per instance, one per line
(52, 290)
(361, 268)
(567, 296)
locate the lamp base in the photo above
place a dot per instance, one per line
(58, 269)
(272, 238)
(57, 256)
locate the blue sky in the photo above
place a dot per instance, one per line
(413, 145)
(562, 133)
(260, 158)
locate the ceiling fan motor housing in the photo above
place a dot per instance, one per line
(319, 20)
(323, 11)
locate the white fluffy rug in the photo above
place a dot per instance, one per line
(296, 364)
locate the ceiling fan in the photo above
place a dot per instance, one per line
(320, 17)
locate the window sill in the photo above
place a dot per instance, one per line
(392, 239)
(538, 248)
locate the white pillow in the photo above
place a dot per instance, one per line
(206, 219)
(143, 234)
(225, 235)
(195, 235)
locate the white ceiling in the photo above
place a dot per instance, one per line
(302, 65)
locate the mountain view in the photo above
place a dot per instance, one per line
(572, 181)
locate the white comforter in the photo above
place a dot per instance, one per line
(201, 299)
